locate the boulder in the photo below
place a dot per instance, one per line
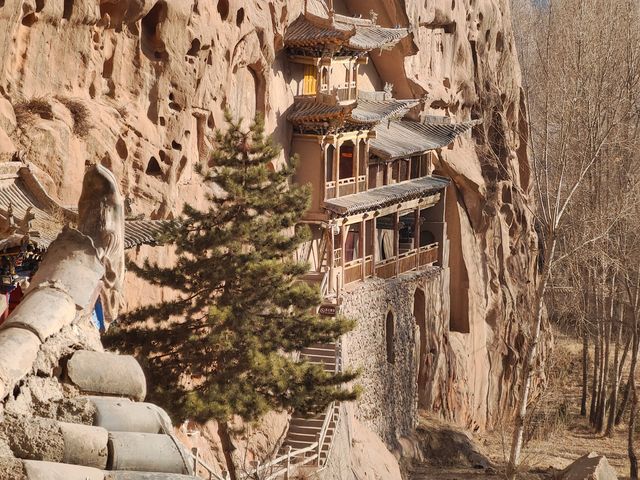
(590, 467)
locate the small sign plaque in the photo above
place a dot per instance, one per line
(328, 310)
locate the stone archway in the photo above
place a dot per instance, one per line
(419, 313)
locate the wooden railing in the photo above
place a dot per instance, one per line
(346, 92)
(428, 254)
(407, 261)
(330, 190)
(368, 266)
(346, 186)
(353, 271)
(362, 183)
(386, 269)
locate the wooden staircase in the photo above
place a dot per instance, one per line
(304, 431)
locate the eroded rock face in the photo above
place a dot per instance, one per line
(140, 85)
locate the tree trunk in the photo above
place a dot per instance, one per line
(527, 370)
(607, 325)
(227, 449)
(633, 460)
(585, 368)
(615, 378)
(596, 370)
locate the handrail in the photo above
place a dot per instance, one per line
(197, 461)
(428, 247)
(347, 181)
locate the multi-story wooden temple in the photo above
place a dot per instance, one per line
(377, 207)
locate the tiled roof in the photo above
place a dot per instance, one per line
(304, 110)
(386, 196)
(142, 232)
(403, 138)
(368, 111)
(306, 33)
(20, 190)
(365, 111)
(317, 27)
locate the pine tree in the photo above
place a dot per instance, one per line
(242, 310)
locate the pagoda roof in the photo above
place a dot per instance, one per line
(318, 28)
(386, 196)
(367, 111)
(22, 194)
(402, 138)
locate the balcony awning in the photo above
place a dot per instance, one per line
(20, 191)
(386, 196)
(402, 138)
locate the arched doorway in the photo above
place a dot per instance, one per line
(419, 313)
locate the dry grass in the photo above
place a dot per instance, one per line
(557, 434)
(80, 114)
(26, 111)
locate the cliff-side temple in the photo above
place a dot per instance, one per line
(408, 123)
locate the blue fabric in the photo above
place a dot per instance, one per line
(97, 316)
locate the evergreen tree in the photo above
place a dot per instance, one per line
(242, 309)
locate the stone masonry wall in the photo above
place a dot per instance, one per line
(389, 402)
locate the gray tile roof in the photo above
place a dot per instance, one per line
(316, 28)
(402, 138)
(20, 190)
(386, 196)
(364, 112)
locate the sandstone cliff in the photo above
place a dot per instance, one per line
(140, 86)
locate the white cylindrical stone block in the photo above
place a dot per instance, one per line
(84, 445)
(18, 350)
(107, 373)
(44, 311)
(122, 415)
(145, 452)
(36, 470)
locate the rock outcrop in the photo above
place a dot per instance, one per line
(140, 86)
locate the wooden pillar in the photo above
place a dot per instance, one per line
(343, 232)
(336, 163)
(396, 240)
(375, 244)
(416, 234)
(363, 245)
(332, 246)
(356, 161)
